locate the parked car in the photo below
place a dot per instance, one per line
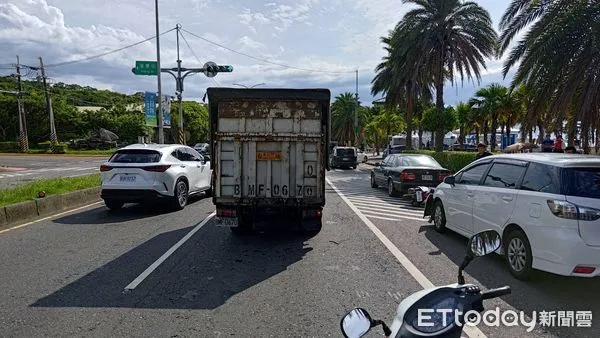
(545, 205)
(343, 157)
(203, 149)
(143, 172)
(399, 172)
(361, 157)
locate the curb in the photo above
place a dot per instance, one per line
(52, 155)
(14, 214)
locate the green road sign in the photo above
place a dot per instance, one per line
(145, 68)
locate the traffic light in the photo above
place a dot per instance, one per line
(220, 69)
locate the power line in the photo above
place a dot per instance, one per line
(102, 54)
(195, 55)
(266, 61)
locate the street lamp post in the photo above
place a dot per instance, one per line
(256, 85)
(161, 135)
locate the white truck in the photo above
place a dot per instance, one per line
(270, 152)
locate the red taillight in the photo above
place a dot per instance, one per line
(105, 168)
(311, 213)
(585, 270)
(408, 177)
(226, 213)
(158, 168)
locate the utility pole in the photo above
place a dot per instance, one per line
(53, 138)
(356, 113)
(24, 140)
(159, 117)
(179, 90)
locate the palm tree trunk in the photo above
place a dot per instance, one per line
(541, 131)
(439, 100)
(585, 129)
(420, 138)
(461, 137)
(409, 118)
(485, 131)
(571, 127)
(493, 141)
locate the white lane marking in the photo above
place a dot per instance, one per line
(166, 255)
(471, 331)
(397, 217)
(386, 208)
(50, 217)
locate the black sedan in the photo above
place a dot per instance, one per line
(400, 172)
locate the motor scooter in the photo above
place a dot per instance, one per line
(418, 196)
(434, 312)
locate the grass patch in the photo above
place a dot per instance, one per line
(51, 186)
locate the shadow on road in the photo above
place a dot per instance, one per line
(567, 293)
(129, 212)
(204, 273)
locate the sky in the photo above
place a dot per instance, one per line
(322, 42)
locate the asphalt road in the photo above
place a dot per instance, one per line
(16, 170)
(67, 276)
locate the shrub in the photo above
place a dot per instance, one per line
(452, 160)
(10, 146)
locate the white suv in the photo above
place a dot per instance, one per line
(545, 205)
(142, 172)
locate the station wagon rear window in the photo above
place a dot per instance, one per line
(582, 182)
(135, 156)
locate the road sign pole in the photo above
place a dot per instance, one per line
(179, 85)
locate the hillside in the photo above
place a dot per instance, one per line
(72, 124)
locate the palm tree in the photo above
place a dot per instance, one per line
(445, 37)
(402, 83)
(558, 57)
(489, 101)
(343, 111)
(463, 111)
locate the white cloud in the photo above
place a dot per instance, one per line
(332, 35)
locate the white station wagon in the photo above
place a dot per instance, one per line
(545, 205)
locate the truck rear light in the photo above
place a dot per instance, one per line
(584, 270)
(311, 213)
(564, 209)
(157, 168)
(228, 213)
(105, 168)
(408, 176)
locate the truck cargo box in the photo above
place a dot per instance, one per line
(270, 152)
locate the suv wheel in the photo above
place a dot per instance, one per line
(391, 189)
(518, 255)
(113, 204)
(180, 197)
(439, 217)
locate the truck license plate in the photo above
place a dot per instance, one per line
(231, 222)
(127, 178)
(345, 159)
(419, 196)
(268, 156)
(427, 177)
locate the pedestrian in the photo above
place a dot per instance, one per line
(482, 151)
(547, 144)
(558, 145)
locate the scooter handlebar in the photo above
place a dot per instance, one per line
(494, 293)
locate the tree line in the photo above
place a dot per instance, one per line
(120, 113)
(556, 71)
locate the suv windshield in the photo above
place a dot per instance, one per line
(344, 152)
(582, 182)
(135, 156)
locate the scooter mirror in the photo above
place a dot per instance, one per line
(356, 323)
(484, 243)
